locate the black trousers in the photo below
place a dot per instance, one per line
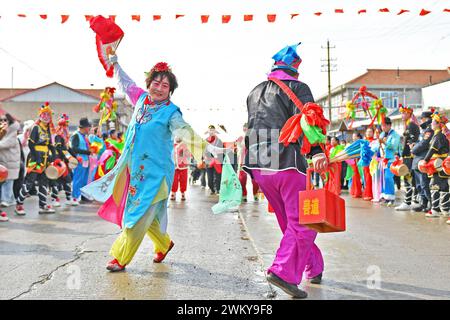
(213, 179)
(63, 183)
(29, 184)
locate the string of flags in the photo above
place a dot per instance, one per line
(226, 18)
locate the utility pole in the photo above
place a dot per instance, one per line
(329, 68)
(12, 80)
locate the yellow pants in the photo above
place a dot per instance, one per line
(127, 244)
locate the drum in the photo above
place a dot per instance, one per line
(55, 170)
(446, 166)
(3, 173)
(431, 167)
(398, 168)
(73, 163)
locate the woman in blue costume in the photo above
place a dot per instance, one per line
(136, 191)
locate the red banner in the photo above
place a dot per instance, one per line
(226, 18)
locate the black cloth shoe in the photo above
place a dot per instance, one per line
(290, 289)
(317, 279)
(85, 200)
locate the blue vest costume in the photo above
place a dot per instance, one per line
(147, 155)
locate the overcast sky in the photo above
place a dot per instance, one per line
(218, 64)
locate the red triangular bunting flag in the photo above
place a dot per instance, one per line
(156, 17)
(136, 17)
(402, 12)
(248, 17)
(22, 15)
(362, 11)
(43, 16)
(384, 10)
(205, 18)
(424, 12)
(338, 10)
(226, 18)
(113, 18)
(318, 14)
(293, 15)
(88, 17)
(446, 10)
(64, 18)
(271, 17)
(179, 16)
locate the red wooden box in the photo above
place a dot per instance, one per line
(321, 210)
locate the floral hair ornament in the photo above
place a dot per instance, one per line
(159, 67)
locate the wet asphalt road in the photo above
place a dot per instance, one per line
(383, 255)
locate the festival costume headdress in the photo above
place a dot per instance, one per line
(439, 118)
(62, 128)
(287, 58)
(159, 67)
(406, 109)
(45, 108)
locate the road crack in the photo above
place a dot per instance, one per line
(78, 252)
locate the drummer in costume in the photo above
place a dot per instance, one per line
(135, 192)
(63, 154)
(411, 137)
(279, 170)
(439, 148)
(41, 155)
(419, 151)
(389, 145)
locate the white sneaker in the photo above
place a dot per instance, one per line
(448, 221)
(47, 209)
(415, 206)
(403, 207)
(432, 214)
(3, 217)
(4, 204)
(74, 202)
(56, 203)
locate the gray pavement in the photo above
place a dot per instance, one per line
(383, 255)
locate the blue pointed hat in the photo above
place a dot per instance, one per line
(287, 58)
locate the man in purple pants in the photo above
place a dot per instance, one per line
(280, 172)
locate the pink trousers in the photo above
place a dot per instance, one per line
(297, 253)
